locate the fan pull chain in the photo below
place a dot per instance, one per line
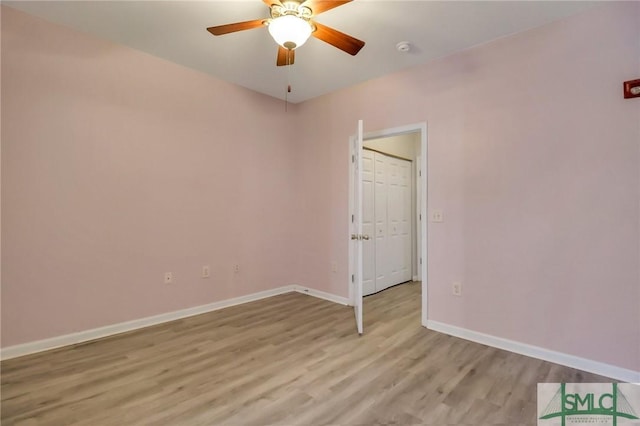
(286, 95)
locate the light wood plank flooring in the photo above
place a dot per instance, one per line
(291, 360)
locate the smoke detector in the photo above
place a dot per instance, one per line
(403, 46)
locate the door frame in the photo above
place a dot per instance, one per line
(422, 208)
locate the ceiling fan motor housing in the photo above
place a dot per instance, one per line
(291, 8)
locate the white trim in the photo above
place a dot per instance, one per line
(424, 166)
(417, 181)
(424, 236)
(395, 131)
(572, 361)
(322, 295)
(110, 330)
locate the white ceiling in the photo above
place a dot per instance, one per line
(176, 31)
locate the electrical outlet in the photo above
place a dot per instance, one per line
(456, 288)
(236, 268)
(168, 277)
(437, 215)
(206, 271)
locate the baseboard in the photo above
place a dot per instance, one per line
(110, 330)
(321, 295)
(588, 365)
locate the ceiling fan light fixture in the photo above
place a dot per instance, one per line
(290, 31)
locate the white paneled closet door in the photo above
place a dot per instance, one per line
(388, 208)
(405, 271)
(394, 219)
(380, 217)
(368, 224)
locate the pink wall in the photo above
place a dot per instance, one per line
(534, 158)
(118, 166)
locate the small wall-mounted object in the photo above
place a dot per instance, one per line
(631, 89)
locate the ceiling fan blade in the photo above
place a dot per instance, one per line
(319, 6)
(238, 26)
(342, 41)
(285, 56)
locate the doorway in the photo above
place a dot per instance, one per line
(388, 212)
(402, 143)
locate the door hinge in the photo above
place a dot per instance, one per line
(421, 261)
(352, 218)
(353, 158)
(420, 173)
(420, 215)
(353, 278)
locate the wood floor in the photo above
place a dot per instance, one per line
(291, 360)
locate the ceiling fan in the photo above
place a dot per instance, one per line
(291, 25)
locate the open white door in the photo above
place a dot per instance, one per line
(356, 225)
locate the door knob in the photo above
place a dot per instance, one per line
(365, 237)
(354, 236)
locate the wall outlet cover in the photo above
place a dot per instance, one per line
(456, 288)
